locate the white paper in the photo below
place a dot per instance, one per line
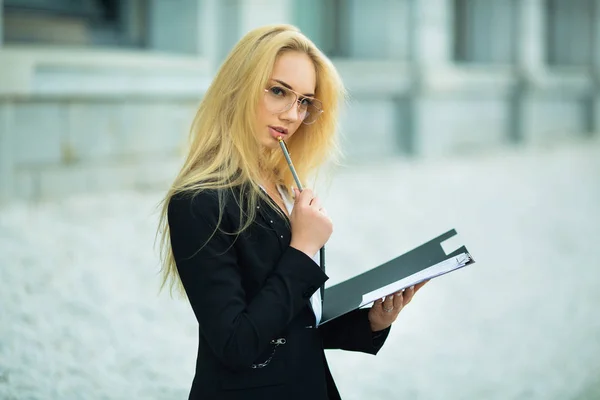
(428, 273)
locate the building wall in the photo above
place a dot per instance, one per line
(426, 78)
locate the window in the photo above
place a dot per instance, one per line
(376, 29)
(76, 22)
(484, 31)
(569, 32)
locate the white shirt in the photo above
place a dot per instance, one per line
(315, 299)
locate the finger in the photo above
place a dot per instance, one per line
(420, 285)
(408, 294)
(388, 303)
(304, 198)
(315, 203)
(399, 300)
(378, 305)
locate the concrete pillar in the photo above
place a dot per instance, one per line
(595, 117)
(431, 53)
(531, 62)
(432, 33)
(175, 28)
(531, 54)
(228, 29)
(234, 18)
(7, 183)
(596, 38)
(310, 17)
(1, 22)
(256, 13)
(209, 32)
(134, 21)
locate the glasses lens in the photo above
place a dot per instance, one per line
(313, 112)
(279, 99)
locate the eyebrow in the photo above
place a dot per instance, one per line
(290, 87)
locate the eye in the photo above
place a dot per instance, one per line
(277, 91)
(306, 101)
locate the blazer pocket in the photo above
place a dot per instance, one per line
(268, 370)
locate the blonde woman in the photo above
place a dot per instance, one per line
(242, 245)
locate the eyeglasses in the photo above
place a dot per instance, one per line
(279, 99)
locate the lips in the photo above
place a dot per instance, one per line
(277, 131)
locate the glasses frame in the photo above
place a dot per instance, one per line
(297, 102)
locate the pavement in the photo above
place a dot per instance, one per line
(81, 316)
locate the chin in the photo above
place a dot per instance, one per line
(270, 143)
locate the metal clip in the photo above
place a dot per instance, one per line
(277, 343)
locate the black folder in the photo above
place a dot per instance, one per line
(422, 263)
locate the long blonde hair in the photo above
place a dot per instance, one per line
(224, 151)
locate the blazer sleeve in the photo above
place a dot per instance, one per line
(352, 332)
(236, 330)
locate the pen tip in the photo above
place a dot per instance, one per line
(280, 138)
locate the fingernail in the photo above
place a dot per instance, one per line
(398, 294)
(412, 287)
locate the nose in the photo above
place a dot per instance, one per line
(293, 114)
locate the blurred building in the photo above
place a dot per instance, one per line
(99, 94)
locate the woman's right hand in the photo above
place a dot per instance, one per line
(311, 227)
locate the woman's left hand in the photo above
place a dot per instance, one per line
(384, 313)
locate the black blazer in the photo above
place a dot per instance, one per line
(250, 294)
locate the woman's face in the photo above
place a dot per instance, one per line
(293, 78)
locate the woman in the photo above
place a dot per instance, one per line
(244, 254)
